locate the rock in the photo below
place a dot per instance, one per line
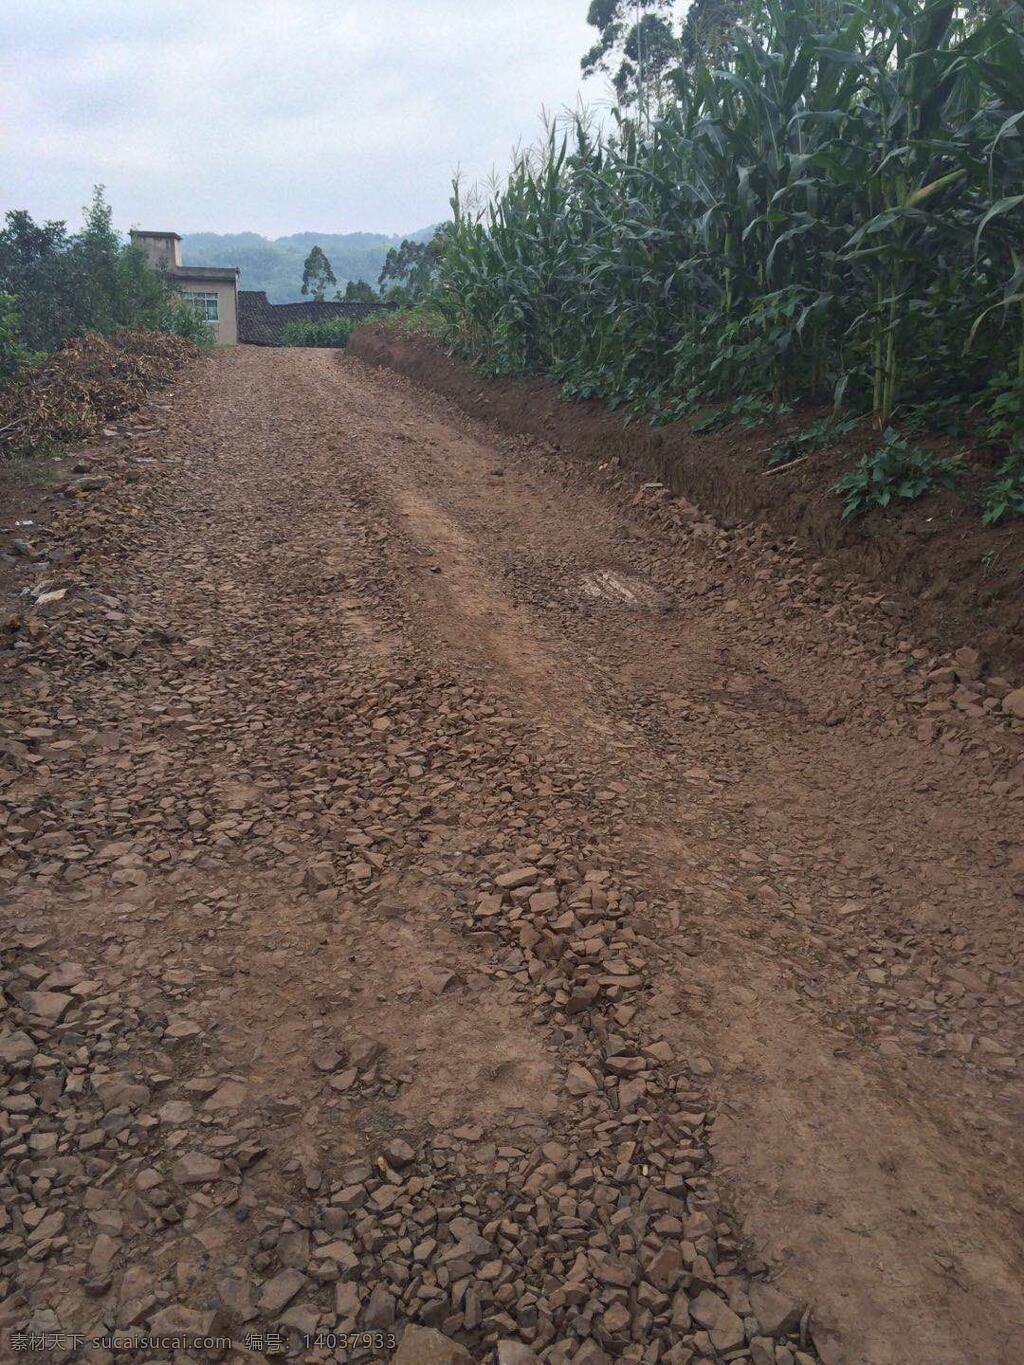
(179, 1320)
(515, 1353)
(579, 1081)
(426, 1346)
(967, 663)
(117, 1090)
(380, 1310)
(520, 876)
(777, 1314)
(1013, 703)
(101, 1257)
(664, 1271)
(278, 1293)
(723, 1325)
(15, 1048)
(590, 1353)
(762, 1351)
(235, 1294)
(195, 1169)
(51, 1005)
(399, 1154)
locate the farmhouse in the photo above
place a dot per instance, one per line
(213, 289)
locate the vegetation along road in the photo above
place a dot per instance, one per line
(447, 886)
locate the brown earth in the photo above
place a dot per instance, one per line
(451, 886)
(963, 582)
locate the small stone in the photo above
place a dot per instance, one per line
(426, 1346)
(400, 1154)
(278, 1293)
(515, 1353)
(235, 1294)
(579, 1081)
(664, 1271)
(777, 1314)
(380, 1310)
(177, 1320)
(51, 1005)
(195, 1169)
(520, 876)
(723, 1325)
(1013, 703)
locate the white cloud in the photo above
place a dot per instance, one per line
(274, 115)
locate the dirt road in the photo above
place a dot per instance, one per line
(447, 885)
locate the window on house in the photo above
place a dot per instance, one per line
(204, 301)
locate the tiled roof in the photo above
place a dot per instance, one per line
(262, 323)
(205, 272)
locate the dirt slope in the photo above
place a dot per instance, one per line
(423, 855)
(963, 582)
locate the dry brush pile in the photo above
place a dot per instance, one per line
(91, 380)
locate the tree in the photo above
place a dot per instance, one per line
(317, 275)
(637, 46)
(35, 269)
(713, 29)
(359, 291)
(409, 268)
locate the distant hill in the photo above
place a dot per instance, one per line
(276, 264)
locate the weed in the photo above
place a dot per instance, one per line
(895, 470)
(822, 432)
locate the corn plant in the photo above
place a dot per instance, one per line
(837, 212)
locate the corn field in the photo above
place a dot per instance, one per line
(834, 213)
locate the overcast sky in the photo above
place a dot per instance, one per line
(274, 115)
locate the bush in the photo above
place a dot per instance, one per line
(895, 470)
(13, 355)
(326, 332)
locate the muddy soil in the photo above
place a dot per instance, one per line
(457, 894)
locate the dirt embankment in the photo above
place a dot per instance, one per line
(963, 582)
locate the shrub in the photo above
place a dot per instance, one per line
(325, 332)
(13, 355)
(895, 470)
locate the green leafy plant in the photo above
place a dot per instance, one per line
(751, 411)
(13, 354)
(333, 332)
(894, 470)
(816, 199)
(1006, 398)
(1004, 496)
(712, 422)
(822, 432)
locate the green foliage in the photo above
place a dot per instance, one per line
(637, 45)
(409, 269)
(1006, 406)
(752, 411)
(275, 265)
(828, 208)
(822, 432)
(177, 317)
(1004, 497)
(13, 353)
(64, 285)
(317, 275)
(358, 291)
(895, 470)
(326, 332)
